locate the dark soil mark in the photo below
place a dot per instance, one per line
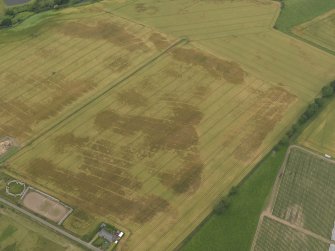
(217, 67)
(69, 140)
(187, 179)
(96, 193)
(159, 41)
(269, 111)
(177, 133)
(132, 98)
(146, 9)
(63, 95)
(117, 64)
(111, 32)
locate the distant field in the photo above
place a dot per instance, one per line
(297, 12)
(18, 233)
(320, 30)
(320, 134)
(200, 20)
(275, 236)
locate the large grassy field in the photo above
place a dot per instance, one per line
(143, 138)
(19, 234)
(235, 228)
(320, 135)
(297, 12)
(275, 236)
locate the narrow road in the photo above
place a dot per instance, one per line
(49, 225)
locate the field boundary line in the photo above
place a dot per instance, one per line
(101, 94)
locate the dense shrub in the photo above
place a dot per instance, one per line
(6, 22)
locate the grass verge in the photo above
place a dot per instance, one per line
(235, 228)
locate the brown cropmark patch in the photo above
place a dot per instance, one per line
(145, 8)
(24, 116)
(69, 140)
(111, 32)
(96, 193)
(217, 67)
(159, 41)
(132, 98)
(149, 207)
(118, 64)
(187, 179)
(70, 91)
(269, 110)
(176, 133)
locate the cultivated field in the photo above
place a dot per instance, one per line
(275, 236)
(18, 233)
(143, 138)
(242, 31)
(48, 70)
(320, 30)
(320, 134)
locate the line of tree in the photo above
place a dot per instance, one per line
(311, 111)
(37, 6)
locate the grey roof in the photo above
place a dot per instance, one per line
(107, 235)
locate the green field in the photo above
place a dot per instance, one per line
(319, 31)
(320, 134)
(19, 234)
(235, 229)
(297, 12)
(145, 138)
(275, 236)
(305, 197)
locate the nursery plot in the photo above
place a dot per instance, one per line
(306, 194)
(279, 237)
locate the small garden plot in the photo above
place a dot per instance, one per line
(46, 206)
(15, 188)
(107, 237)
